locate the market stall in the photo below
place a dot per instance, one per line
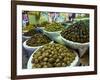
(53, 39)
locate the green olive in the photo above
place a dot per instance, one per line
(36, 61)
(45, 59)
(57, 60)
(40, 58)
(63, 64)
(45, 66)
(58, 64)
(49, 65)
(51, 60)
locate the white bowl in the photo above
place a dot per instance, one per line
(52, 35)
(40, 29)
(82, 47)
(30, 49)
(24, 38)
(76, 62)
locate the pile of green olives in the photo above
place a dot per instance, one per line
(38, 39)
(44, 24)
(53, 55)
(54, 27)
(28, 27)
(78, 32)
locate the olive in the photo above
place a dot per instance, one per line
(45, 59)
(55, 56)
(57, 48)
(36, 61)
(50, 55)
(63, 64)
(57, 60)
(65, 59)
(40, 58)
(62, 54)
(49, 65)
(58, 64)
(38, 66)
(45, 66)
(51, 60)
(52, 52)
(60, 57)
(46, 54)
(60, 50)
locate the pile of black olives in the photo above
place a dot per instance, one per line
(53, 55)
(30, 32)
(38, 39)
(78, 32)
(54, 27)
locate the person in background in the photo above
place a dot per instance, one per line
(53, 16)
(71, 16)
(56, 16)
(25, 20)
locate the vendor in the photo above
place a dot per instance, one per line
(71, 16)
(25, 20)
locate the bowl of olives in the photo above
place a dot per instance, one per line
(77, 36)
(28, 34)
(53, 27)
(53, 55)
(36, 41)
(27, 28)
(53, 30)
